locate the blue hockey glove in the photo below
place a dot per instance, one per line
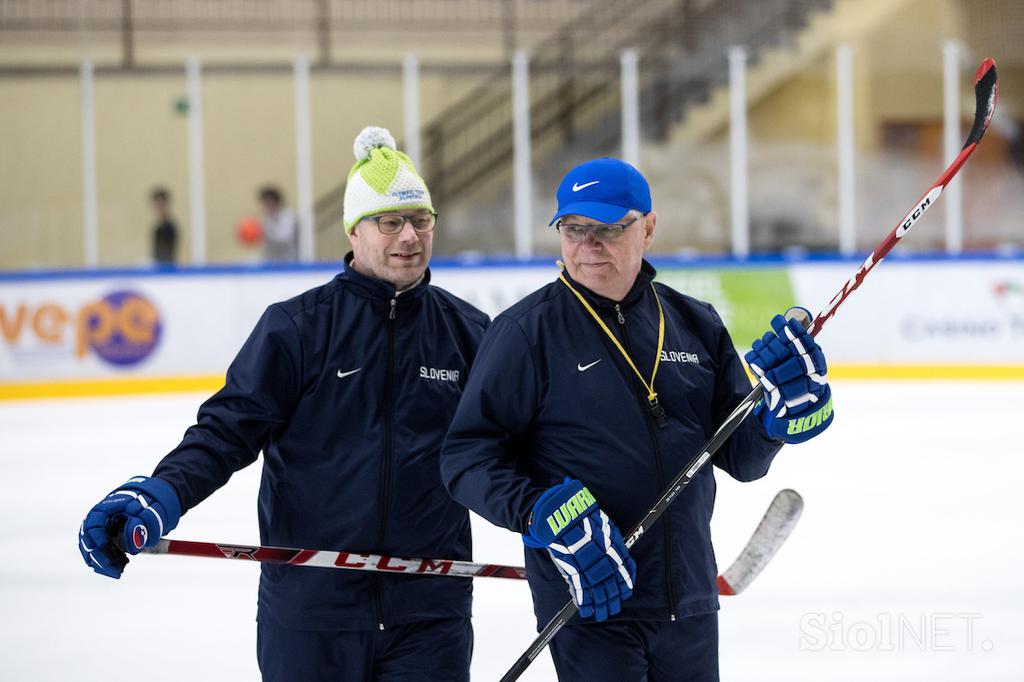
(789, 364)
(135, 515)
(586, 547)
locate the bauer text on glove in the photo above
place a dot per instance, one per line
(790, 366)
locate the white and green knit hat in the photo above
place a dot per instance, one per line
(383, 179)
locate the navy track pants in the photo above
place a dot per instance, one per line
(638, 651)
(425, 651)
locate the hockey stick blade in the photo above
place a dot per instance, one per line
(776, 525)
(985, 91)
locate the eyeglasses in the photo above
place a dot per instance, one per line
(393, 223)
(604, 232)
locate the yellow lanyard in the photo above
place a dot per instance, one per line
(652, 395)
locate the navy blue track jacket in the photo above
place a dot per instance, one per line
(348, 390)
(550, 396)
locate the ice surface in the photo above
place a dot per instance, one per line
(905, 565)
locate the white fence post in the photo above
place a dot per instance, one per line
(303, 159)
(196, 180)
(630, 107)
(90, 204)
(845, 151)
(951, 141)
(411, 102)
(523, 210)
(738, 151)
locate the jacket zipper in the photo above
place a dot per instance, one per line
(666, 529)
(385, 476)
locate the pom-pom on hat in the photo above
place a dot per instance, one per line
(382, 179)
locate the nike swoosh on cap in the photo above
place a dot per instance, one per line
(342, 375)
(577, 187)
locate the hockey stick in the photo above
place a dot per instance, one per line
(773, 530)
(776, 525)
(377, 563)
(985, 103)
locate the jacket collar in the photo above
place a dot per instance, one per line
(640, 287)
(378, 289)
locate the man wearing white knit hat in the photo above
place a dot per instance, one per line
(331, 387)
(384, 188)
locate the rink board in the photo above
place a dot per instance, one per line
(108, 332)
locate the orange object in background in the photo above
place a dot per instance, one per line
(250, 230)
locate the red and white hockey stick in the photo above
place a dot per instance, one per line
(775, 527)
(352, 561)
(985, 91)
(985, 103)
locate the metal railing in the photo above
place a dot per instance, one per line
(322, 23)
(574, 84)
(281, 15)
(574, 87)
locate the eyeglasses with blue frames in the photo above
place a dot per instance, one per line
(603, 232)
(393, 223)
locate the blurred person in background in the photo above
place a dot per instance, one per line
(348, 390)
(165, 232)
(280, 228)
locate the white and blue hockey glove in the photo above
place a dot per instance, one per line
(586, 547)
(790, 366)
(135, 515)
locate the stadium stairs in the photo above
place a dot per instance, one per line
(575, 108)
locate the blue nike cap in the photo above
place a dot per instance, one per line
(602, 190)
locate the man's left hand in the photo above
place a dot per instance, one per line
(790, 366)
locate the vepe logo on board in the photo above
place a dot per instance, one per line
(123, 328)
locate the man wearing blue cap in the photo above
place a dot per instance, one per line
(585, 400)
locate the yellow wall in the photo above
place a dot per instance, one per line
(141, 142)
(40, 173)
(249, 127)
(898, 78)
